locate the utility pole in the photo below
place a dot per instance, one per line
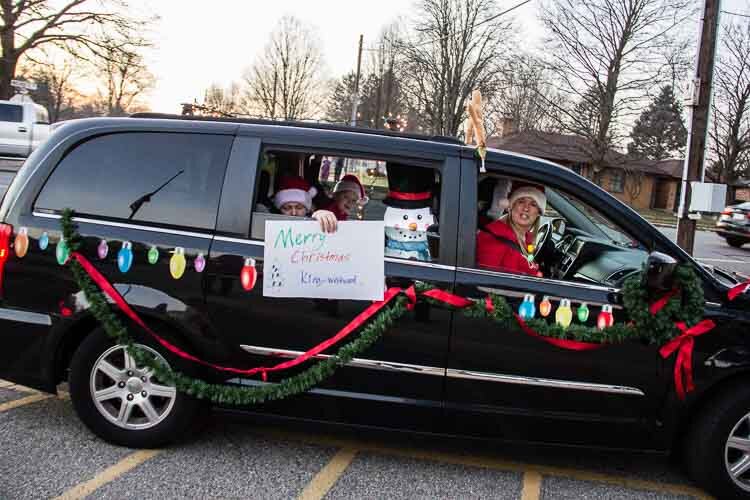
(355, 99)
(696, 146)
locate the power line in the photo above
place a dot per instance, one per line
(735, 14)
(491, 18)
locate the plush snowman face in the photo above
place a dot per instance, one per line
(407, 224)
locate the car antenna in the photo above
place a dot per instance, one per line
(136, 205)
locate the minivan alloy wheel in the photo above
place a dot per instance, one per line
(129, 396)
(737, 453)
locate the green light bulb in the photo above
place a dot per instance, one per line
(153, 255)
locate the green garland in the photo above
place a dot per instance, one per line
(685, 306)
(220, 393)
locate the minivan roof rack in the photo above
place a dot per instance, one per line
(314, 125)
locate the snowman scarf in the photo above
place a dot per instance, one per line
(409, 246)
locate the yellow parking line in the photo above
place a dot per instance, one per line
(493, 463)
(23, 401)
(20, 388)
(5, 383)
(532, 486)
(328, 475)
(108, 475)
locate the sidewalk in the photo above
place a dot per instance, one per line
(661, 218)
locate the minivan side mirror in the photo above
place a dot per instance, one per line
(660, 270)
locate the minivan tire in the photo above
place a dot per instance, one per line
(707, 456)
(126, 414)
(736, 242)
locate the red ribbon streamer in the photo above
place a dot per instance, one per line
(737, 290)
(683, 366)
(573, 345)
(448, 298)
(119, 300)
(660, 303)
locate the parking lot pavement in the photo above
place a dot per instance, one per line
(48, 453)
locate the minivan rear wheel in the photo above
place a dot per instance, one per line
(736, 242)
(123, 403)
(718, 445)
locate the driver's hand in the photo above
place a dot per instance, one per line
(327, 219)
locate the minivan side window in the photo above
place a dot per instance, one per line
(163, 178)
(11, 113)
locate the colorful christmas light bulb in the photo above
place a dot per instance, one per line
(21, 243)
(545, 307)
(177, 263)
(583, 313)
(564, 314)
(43, 241)
(62, 252)
(102, 249)
(125, 257)
(248, 275)
(527, 309)
(199, 263)
(153, 255)
(605, 318)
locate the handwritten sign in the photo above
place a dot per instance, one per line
(300, 260)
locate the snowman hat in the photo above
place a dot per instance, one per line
(351, 183)
(294, 189)
(409, 187)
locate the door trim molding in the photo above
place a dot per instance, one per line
(101, 222)
(25, 317)
(374, 364)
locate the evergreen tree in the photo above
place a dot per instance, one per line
(659, 132)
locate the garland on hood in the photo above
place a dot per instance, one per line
(674, 316)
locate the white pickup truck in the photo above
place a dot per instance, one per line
(23, 126)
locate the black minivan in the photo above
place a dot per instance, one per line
(172, 211)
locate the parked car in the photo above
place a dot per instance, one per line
(152, 184)
(23, 126)
(734, 224)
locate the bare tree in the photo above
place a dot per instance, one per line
(729, 133)
(70, 24)
(458, 47)
(223, 101)
(125, 78)
(57, 86)
(285, 81)
(525, 95)
(606, 54)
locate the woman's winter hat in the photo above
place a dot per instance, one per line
(532, 191)
(351, 183)
(294, 189)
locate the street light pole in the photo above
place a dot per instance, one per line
(355, 99)
(700, 107)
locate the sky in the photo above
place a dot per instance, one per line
(214, 43)
(200, 43)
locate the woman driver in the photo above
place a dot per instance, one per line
(507, 244)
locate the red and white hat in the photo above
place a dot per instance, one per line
(351, 183)
(294, 189)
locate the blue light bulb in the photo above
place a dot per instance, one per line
(43, 241)
(527, 309)
(125, 257)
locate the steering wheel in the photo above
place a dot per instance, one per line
(542, 236)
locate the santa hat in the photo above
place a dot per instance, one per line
(532, 191)
(351, 183)
(294, 189)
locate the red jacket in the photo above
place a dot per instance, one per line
(334, 207)
(499, 251)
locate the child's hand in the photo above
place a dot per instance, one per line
(328, 221)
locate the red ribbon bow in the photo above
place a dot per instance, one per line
(737, 290)
(683, 366)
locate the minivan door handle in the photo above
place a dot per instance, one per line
(22, 129)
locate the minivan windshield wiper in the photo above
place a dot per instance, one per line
(137, 204)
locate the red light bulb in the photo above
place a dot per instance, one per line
(248, 275)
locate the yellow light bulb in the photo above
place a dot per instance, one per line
(177, 263)
(564, 314)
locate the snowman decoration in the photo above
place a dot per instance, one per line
(407, 214)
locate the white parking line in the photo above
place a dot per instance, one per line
(532, 486)
(728, 261)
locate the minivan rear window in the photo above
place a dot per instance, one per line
(164, 178)
(11, 113)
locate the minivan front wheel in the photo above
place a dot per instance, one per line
(122, 402)
(718, 446)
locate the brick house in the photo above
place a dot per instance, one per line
(642, 184)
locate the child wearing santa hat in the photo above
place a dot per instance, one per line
(347, 194)
(294, 198)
